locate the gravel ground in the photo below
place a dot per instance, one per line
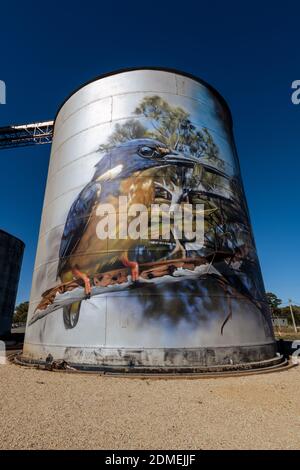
(54, 410)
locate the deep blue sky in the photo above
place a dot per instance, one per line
(249, 53)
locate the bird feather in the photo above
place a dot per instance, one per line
(77, 221)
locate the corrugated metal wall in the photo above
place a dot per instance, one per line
(11, 254)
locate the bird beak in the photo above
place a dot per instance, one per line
(180, 158)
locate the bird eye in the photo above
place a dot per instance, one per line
(147, 151)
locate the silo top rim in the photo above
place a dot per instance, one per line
(12, 236)
(159, 69)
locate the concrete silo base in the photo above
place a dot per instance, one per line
(158, 361)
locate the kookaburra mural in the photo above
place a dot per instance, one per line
(156, 227)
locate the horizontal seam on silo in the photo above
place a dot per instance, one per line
(66, 192)
(112, 96)
(119, 293)
(78, 133)
(77, 187)
(95, 151)
(130, 348)
(73, 189)
(70, 163)
(115, 121)
(120, 120)
(135, 93)
(134, 116)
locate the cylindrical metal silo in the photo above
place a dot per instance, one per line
(11, 254)
(119, 281)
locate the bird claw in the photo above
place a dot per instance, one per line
(136, 283)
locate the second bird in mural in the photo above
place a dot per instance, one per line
(133, 169)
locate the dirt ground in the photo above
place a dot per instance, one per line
(55, 410)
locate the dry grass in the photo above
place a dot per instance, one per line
(286, 333)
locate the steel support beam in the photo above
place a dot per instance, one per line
(26, 134)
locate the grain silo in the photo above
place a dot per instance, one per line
(146, 258)
(11, 254)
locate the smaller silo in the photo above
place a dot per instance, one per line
(11, 254)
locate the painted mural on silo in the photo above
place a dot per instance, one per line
(145, 243)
